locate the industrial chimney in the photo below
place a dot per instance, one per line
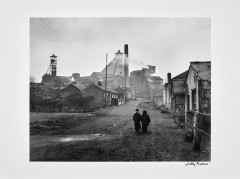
(168, 77)
(126, 49)
(126, 69)
(76, 75)
(99, 83)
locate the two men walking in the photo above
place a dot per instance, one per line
(144, 119)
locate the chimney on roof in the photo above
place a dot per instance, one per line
(76, 75)
(99, 83)
(144, 73)
(168, 77)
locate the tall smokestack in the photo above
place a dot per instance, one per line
(126, 60)
(168, 77)
(126, 49)
(125, 70)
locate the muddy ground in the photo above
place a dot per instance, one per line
(109, 135)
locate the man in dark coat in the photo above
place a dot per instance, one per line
(145, 119)
(136, 119)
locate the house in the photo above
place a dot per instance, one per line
(72, 100)
(198, 99)
(174, 92)
(95, 96)
(198, 80)
(178, 91)
(72, 88)
(44, 99)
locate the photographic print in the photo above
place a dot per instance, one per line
(120, 89)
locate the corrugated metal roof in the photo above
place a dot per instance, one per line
(203, 70)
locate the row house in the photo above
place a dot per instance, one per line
(178, 92)
(97, 95)
(174, 92)
(72, 88)
(198, 100)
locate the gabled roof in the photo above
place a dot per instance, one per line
(103, 88)
(180, 76)
(79, 86)
(96, 74)
(203, 69)
(111, 90)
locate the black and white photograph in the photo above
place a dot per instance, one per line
(120, 89)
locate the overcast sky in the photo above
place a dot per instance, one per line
(81, 44)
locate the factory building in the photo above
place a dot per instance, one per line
(143, 83)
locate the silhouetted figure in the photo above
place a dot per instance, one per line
(145, 119)
(136, 119)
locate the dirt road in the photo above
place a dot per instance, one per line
(110, 136)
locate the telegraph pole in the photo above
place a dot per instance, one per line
(106, 83)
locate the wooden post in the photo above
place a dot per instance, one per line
(106, 84)
(197, 135)
(188, 130)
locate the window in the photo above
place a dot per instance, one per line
(188, 102)
(194, 100)
(195, 78)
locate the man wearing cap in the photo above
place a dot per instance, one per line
(136, 119)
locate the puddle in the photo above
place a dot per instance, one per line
(81, 137)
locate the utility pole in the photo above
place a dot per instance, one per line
(106, 83)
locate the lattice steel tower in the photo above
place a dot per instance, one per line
(52, 69)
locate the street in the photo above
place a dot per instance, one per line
(110, 136)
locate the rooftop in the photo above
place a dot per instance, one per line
(53, 55)
(79, 86)
(103, 88)
(203, 69)
(118, 52)
(181, 76)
